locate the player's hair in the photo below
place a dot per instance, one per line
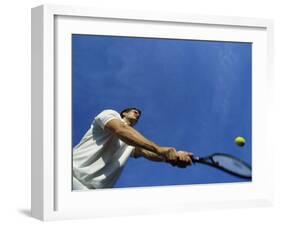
(129, 109)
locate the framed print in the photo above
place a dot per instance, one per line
(136, 112)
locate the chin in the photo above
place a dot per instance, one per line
(134, 122)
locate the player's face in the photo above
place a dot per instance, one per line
(132, 115)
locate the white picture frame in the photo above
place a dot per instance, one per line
(52, 197)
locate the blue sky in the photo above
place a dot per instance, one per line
(195, 96)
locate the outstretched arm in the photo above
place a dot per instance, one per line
(132, 137)
(183, 158)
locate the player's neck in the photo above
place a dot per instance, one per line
(128, 122)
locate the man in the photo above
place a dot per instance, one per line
(103, 151)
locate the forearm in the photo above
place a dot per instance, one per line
(132, 137)
(139, 152)
(184, 158)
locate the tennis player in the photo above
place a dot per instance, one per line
(101, 154)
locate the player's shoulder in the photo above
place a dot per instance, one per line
(109, 112)
(105, 116)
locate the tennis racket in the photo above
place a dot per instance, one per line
(226, 163)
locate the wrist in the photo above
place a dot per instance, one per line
(163, 152)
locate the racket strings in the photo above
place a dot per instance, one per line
(233, 165)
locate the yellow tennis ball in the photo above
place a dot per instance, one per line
(240, 141)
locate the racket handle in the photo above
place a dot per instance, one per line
(195, 159)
